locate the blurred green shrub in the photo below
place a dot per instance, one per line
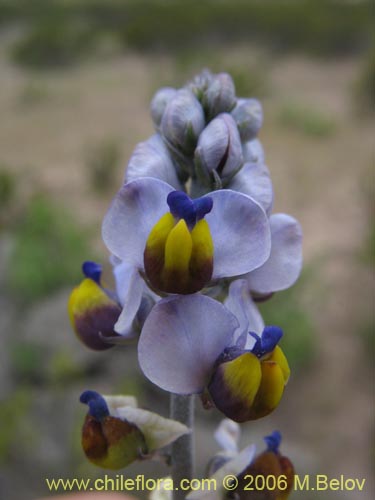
(27, 361)
(249, 81)
(63, 369)
(63, 30)
(367, 333)
(7, 187)
(13, 412)
(49, 248)
(102, 162)
(53, 42)
(315, 26)
(306, 120)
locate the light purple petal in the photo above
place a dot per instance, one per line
(123, 273)
(284, 265)
(254, 180)
(134, 211)
(253, 151)
(248, 114)
(159, 103)
(240, 303)
(181, 340)
(151, 159)
(227, 435)
(233, 467)
(240, 232)
(131, 296)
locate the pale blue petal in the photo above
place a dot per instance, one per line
(227, 435)
(151, 159)
(136, 208)
(123, 273)
(233, 467)
(254, 179)
(240, 232)
(240, 303)
(284, 265)
(181, 339)
(131, 296)
(253, 151)
(159, 103)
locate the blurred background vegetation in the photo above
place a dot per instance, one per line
(76, 78)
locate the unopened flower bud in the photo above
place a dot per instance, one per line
(200, 83)
(183, 121)
(253, 151)
(151, 158)
(248, 115)
(220, 96)
(159, 103)
(219, 148)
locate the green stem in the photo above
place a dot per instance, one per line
(182, 453)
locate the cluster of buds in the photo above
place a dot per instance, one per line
(194, 245)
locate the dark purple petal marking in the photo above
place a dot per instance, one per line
(101, 318)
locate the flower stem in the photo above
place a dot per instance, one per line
(182, 453)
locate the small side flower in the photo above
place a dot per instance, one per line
(116, 432)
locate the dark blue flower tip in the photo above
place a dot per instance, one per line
(97, 406)
(183, 207)
(257, 349)
(92, 270)
(273, 441)
(267, 342)
(203, 206)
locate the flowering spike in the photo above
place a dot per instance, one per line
(92, 270)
